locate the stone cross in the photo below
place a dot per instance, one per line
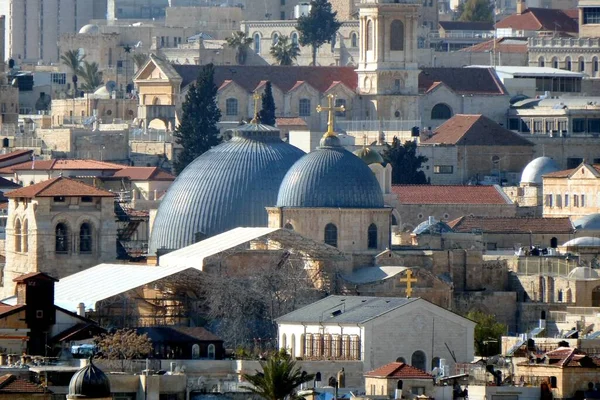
(409, 281)
(256, 97)
(331, 118)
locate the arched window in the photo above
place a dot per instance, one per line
(541, 62)
(17, 236)
(283, 342)
(231, 107)
(211, 351)
(401, 359)
(294, 38)
(196, 351)
(25, 237)
(568, 65)
(354, 40)
(435, 362)
(397, 35)
(554, 62)
(293, 345)
(418, 360)
(441, 111)
(289, 226)
(85, 238)
(256, 41)
(554, 242)
(581, 64)
(302, 345)
(372, 236)
(369, 38)
(62, 239)
(331, 235)
(560, 296)
(275, 38)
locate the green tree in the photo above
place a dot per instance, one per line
(476, 10)
(318, 27)
(198, 131)
(285, 51)
(91, 75)
(279, 377)
(488, 333)
(406, 164)
(241, 43)
(72, 59)
(122, 345)
(267, 112)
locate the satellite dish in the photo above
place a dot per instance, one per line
(111, 86)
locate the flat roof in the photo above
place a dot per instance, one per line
(533, 71)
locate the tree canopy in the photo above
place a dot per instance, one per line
(72, 59)
(318, 27)
(488, 333)
(476, 11)
(406, 164)
(279, 377)
(123, 344)
(198, 131)
(241, 43)
(267, 112)
(285, 51)
(91, 75)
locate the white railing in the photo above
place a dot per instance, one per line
(564, 42)
(150, 135)
(401, 125)
(462, 35)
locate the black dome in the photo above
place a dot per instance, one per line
(227, 187)
(89, 382)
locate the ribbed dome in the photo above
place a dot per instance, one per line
(330, 176)
(229, 186)
(585, 241)
(89, 382)
(589, 222)
(583, 274)
(90, 29)
(369, 156)
(537, 168)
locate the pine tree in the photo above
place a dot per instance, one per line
(198, 131)
(267, 113)
(318, 27)
(476, 10)
(406, 164)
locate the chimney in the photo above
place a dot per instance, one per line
(521, 7)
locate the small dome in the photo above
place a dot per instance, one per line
(585, 241)
(583, 274)
(330, 176)
(90, 29)
(102, 92)
(227, 187)
(533, 172)
(589, 223)
(369, 156)
(431, 226)
(89, 382)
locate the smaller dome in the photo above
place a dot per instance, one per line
(537, 168)
(369, 156)
(585, 241)
(432, 226)
(589, 222)
(583, 274)
(90, 29)
(89, 382)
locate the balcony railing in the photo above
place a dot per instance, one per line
(564, 42)
(462, 35)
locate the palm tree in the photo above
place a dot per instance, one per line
(91, 75)
(279, 379)
(73, 59)
(285, 51)
(241, 43)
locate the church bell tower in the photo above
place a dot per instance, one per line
(388, 63)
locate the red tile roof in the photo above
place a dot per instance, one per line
(511, 224)
(540, 19)
(441, 194)
(9, 383)
(14, 154)
(475, 130)
(564, 357)
(56, 164)
(284, 77)
(481, 81)
(504, 45)
(399, 370)
(41, 275)
(565, 173)
(59, 187)
(290, 121)
(144, 174)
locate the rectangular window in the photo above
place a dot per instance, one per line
(566, 200)
(573, 162)
(549, 125)
(575, 200)
(58, 78)
(59, 199)
(340, 103)
(563, 126)
(593, 125)
(548, 200)
(443, 169)
(591, 15)
(513, 124)
(537, 126)
(282, 2)
(304, 107)
(231, 107)
(86, 199)
(578, 125)
(558, 199)
(282, 15)
(583, 200)
(417, 390)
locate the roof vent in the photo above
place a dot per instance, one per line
(336, 313)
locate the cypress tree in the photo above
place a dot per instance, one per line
(267, 113)
(198, 131)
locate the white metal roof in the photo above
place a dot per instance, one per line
(194, 255)
(537, 71)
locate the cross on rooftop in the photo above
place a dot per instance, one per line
(409, 281)
(256, 97)
(331, 118)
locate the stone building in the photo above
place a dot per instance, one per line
(59, 227)
(387, 379)
(531, 22)
(572, 192)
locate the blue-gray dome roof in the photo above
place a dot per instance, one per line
(89, 382)
(585, 241)
(227, 187)
(589, 222)
(533, 172)
(330, 176)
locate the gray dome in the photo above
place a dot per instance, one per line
(585, 241)
(537, 168)
(90, 29)
(89, 382)
(330, 176)
(583, 274)
(589, 222)
(227, 187)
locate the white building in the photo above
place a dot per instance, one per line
(376, 331)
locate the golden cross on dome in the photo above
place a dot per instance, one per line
(331, 118)
(256, 97)
(409, 281)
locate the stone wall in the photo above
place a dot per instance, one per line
(488, 302)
